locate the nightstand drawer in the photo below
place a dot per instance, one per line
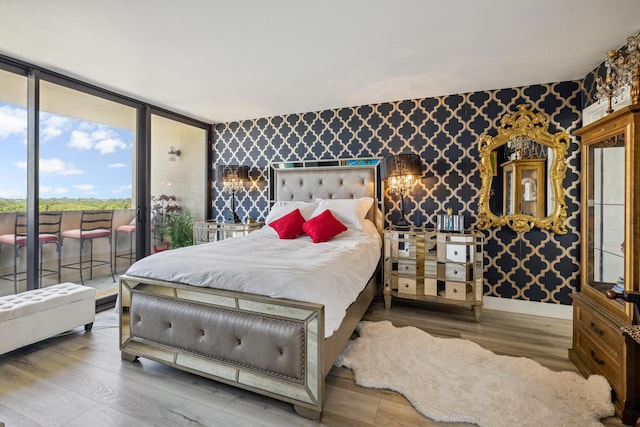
(430, 269)
(459, 253)
(406, 267)
(456, 291)
(431, 287)
(406, 285)
(458, 272)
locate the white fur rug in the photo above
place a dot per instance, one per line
(456, 380)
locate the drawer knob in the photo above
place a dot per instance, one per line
(596, 330)
(594, 357)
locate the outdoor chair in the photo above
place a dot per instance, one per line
(94, 224)
(49, 225)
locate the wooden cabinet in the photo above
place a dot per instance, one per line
(610, 256)
(434, 266)
(524, 190)
(211, 231)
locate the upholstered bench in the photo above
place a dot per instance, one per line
(32, 316)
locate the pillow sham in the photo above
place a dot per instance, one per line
(323, 227)
(349, 212)
(289, 226)
(280, 209)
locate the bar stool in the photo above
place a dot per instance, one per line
(49, 224)
(93, 225)
(130, 230)
(49, 233)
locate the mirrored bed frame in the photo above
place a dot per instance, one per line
(287, 357)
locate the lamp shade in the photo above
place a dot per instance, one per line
(401, 165)
(229, 172)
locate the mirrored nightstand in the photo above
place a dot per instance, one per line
(211, 231)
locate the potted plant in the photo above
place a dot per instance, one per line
(179, 228)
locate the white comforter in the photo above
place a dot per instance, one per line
(331, 273)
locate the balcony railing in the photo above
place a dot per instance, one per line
(102, 280)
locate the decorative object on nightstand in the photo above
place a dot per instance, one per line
(211, 231)
(402, 172)
(450, 222)
(232, 178)
(426, 265)
(610, 259)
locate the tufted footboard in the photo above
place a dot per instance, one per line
(270, 346)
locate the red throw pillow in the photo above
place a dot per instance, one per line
(323, 227)
(290, 225)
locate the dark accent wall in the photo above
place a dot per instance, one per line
(534, 266)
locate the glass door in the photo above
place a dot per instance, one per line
(605, 216)
(86, 165)
(178, 182)
(13, 180)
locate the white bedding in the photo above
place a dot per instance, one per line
(332, 273)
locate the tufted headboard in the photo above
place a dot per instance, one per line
(338, 179)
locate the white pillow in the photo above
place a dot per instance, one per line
(350, 212)
(280, 209)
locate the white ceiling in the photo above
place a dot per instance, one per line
(229, 60)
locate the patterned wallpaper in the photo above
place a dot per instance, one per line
(534, 266)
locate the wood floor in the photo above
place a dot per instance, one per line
(79, 379)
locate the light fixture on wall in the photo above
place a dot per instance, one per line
(173, 154)
(402, 172)
(232, 178)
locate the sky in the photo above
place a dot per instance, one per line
(78, 159)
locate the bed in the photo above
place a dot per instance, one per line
(280, 343)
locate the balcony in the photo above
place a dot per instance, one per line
(101, 281)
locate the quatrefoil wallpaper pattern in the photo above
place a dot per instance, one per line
(534, 266)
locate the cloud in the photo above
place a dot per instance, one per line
(117, 165)
(103, 139)
(53, 126)
(53, 167)
(80, 140)
(52, 190)
(12, 194)
(84, 187)
(122, 189)
(109, 145)
(13, 121)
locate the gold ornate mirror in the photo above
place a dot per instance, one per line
(522, 169)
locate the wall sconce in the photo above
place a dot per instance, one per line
(173, 154)
(402, 172)
(232, 178)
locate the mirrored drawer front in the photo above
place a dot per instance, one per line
(430, 242)
(456, 290)
(403, 245)
(459, 253)
(458, 272)
(430, 286)
(406, 267)
(430, 269)
(406, 285)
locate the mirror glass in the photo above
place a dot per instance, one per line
(522, 169)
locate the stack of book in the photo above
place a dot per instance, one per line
(619, 286)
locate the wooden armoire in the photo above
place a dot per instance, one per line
(610, 256)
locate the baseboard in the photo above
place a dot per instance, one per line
(544, 309)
